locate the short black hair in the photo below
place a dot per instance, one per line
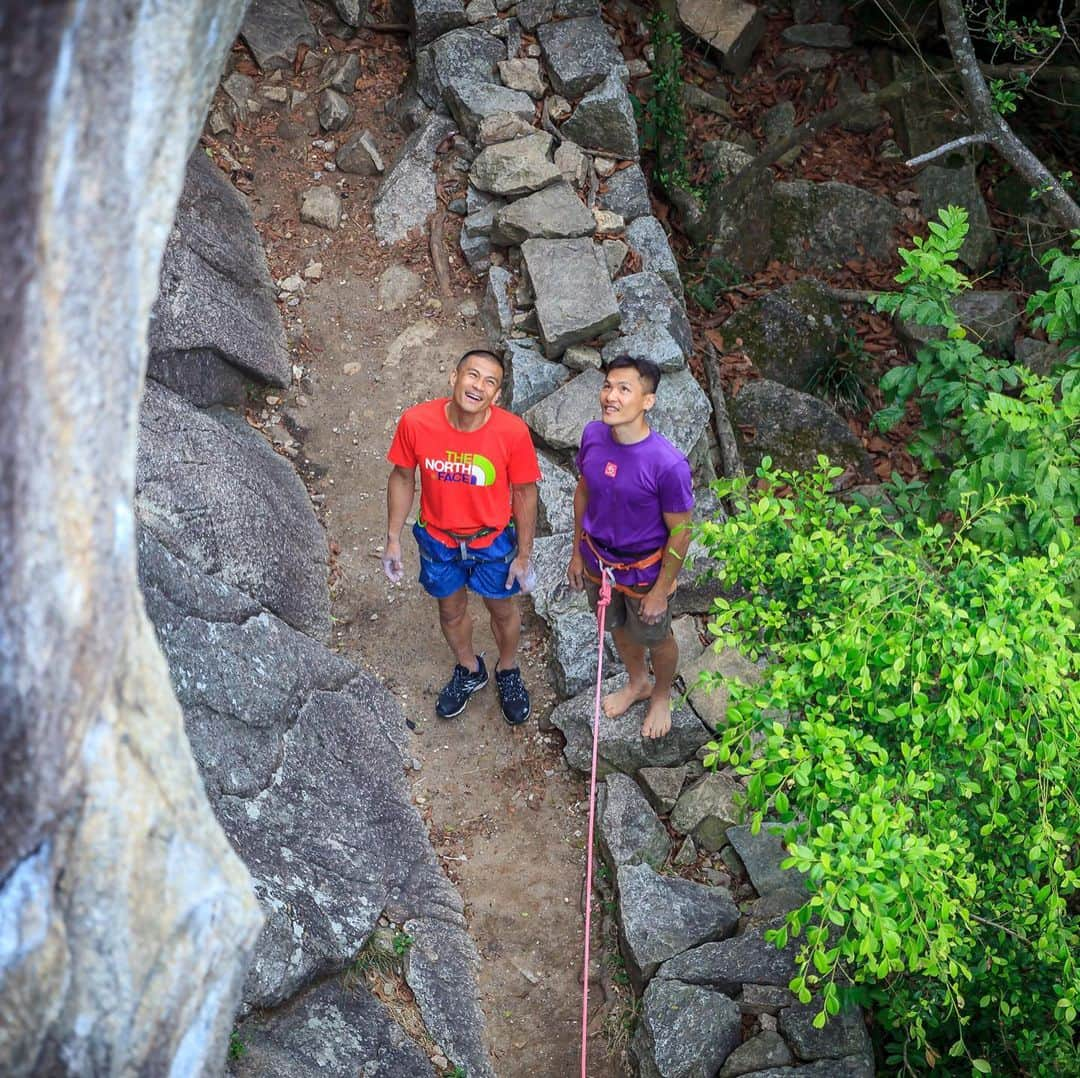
(649, 371)
(487, 353)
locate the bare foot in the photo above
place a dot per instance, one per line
(658, 721)
(615, 703)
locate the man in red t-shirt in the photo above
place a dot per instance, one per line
(478, 473)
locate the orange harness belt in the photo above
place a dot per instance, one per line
(618, 566)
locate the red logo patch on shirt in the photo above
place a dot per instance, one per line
(610, 469)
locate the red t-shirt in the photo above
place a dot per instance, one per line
(465, 476)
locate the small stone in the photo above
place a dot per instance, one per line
(606, 221)
(515, 168)
(335, 111)
(696, 98)
(759, 1053)
(890, 151)
(604, 166)
(321, 206)
(218, 122)
(764, 999)
(686, 853)
(558, 107)
(278, 94)
(615, 252)
(637, 68)
(579, 357)
(360, 155)
(352, 368)
(292, 284)
(397, 286)
(662, 786)
(472, 102)
(522, 74)
(818, 35)
(571, 161)
(707, 809)
(313, 271)
(340, 72)
(479, 10)
(502, 127)
(496, 311)
(805, 60)
(468, 308)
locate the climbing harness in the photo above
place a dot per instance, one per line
(607, 565)
(607, 581)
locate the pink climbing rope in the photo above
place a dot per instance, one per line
(601, 614)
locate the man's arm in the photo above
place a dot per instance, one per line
(400, 493)
(575, 573)
(523, 508)
(654, 604)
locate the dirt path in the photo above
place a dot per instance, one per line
(505, 815)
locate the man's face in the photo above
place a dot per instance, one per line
(475, 384)
(624, 396)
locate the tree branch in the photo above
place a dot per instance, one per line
(986, 118)
(948, 147)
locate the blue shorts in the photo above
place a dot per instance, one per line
(443, 571)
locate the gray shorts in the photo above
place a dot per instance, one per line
(624, 613)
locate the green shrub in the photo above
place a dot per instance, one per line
(918, 733)
(997, 441)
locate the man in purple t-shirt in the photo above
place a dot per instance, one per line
(631, 513)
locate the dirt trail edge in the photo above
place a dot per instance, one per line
(506, 816)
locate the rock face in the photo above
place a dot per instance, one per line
(216, 295)
(822, 225)
(793, 428)
(301, 756)
(788, 334)
(128, 921)
(574, 298)
(216, 495)
(406, 196)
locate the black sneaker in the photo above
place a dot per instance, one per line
(513, 696)
(456, 692)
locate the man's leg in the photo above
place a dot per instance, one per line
(638, 687)
(506, 627)
(456, 623)
(665, 661)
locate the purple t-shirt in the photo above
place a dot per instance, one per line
(630, 488)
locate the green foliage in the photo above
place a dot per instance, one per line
(457, 1071)
(998, 442)
(402, 943)
(918, 734)
(839, 379)
(237, 1047)
(1004, 97)
(1056, 309)
(662, 117)
(705, 284)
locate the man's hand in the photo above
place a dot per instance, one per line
(653, 607)
(392, 564)
(575, 573)
(521, 570)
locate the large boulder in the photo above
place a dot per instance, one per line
(301, 754)
(579, 54)
(406, 196)
(604, 120)
(685, 1031)
(574, 297)
(663, 916)
(127, 919)
(788, 334)
(216, 301)
(621, 746)
(793, 428)
(822, 225)
(213, 491)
